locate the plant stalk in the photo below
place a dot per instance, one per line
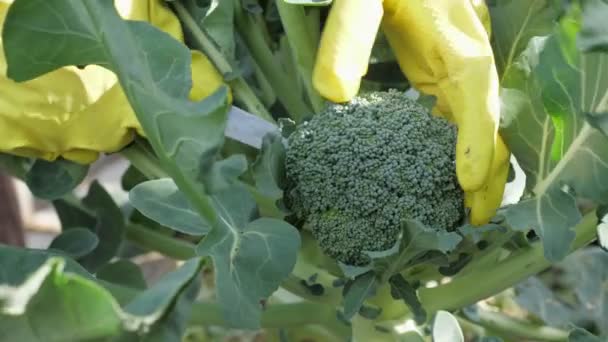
(165, 245)
(259, 49)
(290, 315)
(517, 329)
(241, 90)
(143, 161)
(303, 46)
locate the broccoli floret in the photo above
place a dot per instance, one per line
(357, 170)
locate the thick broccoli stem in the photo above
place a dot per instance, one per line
(484, 282)
(512, 329)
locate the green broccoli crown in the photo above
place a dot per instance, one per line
(357, 170)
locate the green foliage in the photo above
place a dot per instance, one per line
(62, 301)
(357, 171)
(123, 272)
(51, 180)
(551, 90)
(75, 242)
(109, 227)
(373, 180)
(575, 293)
(594, 33)
(245, 249)
(161, 201)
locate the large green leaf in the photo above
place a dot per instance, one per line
(58, 301)
(549, 92)
(152, 67)
(251, 256)
(515, 22)
(52, 305)
(161, 201)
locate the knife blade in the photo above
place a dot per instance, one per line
(247, 128)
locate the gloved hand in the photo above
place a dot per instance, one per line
(443, 48)
(76, 114)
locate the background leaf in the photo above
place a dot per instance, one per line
(122, 272)
(109, 227)
(52, 180)
(582, 335)
(75, 242)
(594, 32)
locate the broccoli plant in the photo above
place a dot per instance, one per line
(356, 196)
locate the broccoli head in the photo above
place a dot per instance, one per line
(357, 170)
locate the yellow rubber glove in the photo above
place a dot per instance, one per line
(443, 48)
(76, 114)
(345, 48)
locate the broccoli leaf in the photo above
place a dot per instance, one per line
(357, 291)
(82, 309)
(161, 201)
(416, 240)
(268, 172)
(550, 91)
(401, 289)
(251, 256)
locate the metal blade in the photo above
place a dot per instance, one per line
(247, 128)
